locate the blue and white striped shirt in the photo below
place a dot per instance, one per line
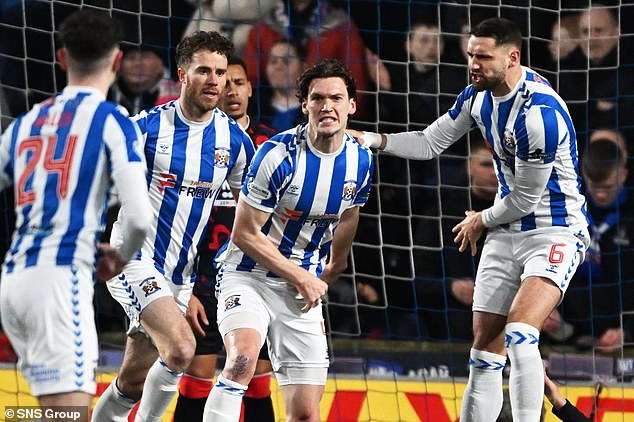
(527, 130)
(306, 192)
(61, 156)
(187, 165)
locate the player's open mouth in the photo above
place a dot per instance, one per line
(327, 120)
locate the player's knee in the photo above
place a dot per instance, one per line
(241, 367)
(301, 412)
(179, 356)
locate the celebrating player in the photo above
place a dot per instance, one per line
(191, 148)
(302, 184)
(197, 382)
(62, 157)
(537, 229)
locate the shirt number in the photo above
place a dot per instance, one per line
(61, 166)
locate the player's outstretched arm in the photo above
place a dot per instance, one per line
(341, 244)
(247, 235)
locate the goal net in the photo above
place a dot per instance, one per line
(399, 318)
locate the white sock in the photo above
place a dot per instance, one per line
(159, 388)
(482, 400)
(113, 405)
(224, 401)
(526, 383)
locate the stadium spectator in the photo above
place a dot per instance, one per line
(231, 18)
(197, 382)
(268, 286)
(322, 30)
(47, 276)
(531, 136)
(143, 81)
(279, 106)
(428, 85)
(604, 283)
(563, 47)
(191, 148)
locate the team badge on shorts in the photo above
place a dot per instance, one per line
(222, 156)
(349, 190)
(149, 286)
(232, 301)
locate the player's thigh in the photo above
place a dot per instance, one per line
(211, 342)
(165, 322)
(47, 313)
(498, 276)
(241, 305)
(552, 253)
(297, 341)
(535, 300)
(301, 400)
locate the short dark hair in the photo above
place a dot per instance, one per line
(202, 40)
(326, 68)
(237, 61)
(503, 30)
(88, 35)
(602, 157)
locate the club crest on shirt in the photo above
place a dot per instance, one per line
(349, 189)
(222, 157)
(232, 301)
(509, 139)
(149, 286)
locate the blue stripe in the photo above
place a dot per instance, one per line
(364, 170)
(528, 222)
(50, 202)
(486, 112)
(206, 174)
(333, 205)
(521, 137)
(152, 124)
(168, 208)
(130, 133)
(551, 131)
(558, 209)
(465, 95)
(304, 204)
(92, 149)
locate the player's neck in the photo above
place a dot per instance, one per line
(325, 144)
(100, 82)
(193, 113)
(512, 78)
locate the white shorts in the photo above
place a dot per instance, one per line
(140, 284)
(508, 258)
(296, 339)
(48, 315)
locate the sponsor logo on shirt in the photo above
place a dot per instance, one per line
(258, 192)
(167, 180)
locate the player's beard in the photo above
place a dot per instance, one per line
(198, 100)
(489, 82)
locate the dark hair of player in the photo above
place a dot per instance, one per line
(503, 30)
(202, 40)
(326, 68)
(88, 36)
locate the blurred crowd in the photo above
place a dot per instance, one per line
(406, 279)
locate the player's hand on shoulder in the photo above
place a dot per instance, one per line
(369, 139)
(196, 314)
(109, 263)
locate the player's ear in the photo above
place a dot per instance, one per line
(116, 63)
(304, 108)
(514, 57)
(353, 106)
(61, 58)
(181, 75)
